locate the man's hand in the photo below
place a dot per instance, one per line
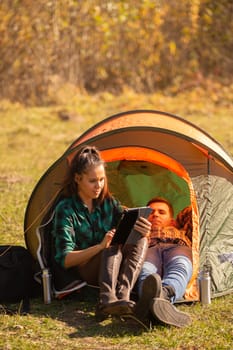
(143, 226)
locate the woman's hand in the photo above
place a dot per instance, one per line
(107, 239)
(80, 257)
(143, 226)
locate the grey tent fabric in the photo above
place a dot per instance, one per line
(215, 204)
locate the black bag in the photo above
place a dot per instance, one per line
(16, 274)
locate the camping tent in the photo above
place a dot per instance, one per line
(150, 153)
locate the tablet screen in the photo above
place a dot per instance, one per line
(127, 221)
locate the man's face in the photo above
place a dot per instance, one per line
(160, 217)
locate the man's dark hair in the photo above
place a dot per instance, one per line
(162, 200)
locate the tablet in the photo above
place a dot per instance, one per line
(127, 221)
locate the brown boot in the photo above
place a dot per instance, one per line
(133, 258)
(151, 288)
(109, 270)
(118, 274)
(165, 312)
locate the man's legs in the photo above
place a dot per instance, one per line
(149, 283)
(177, 271)
(173, 263)
(151, 265)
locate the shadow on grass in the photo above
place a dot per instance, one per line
(78, 311)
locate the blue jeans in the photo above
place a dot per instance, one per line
(173, 263)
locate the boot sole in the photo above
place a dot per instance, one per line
(167, 313)
(151, 288)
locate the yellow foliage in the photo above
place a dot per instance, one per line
(105, 45)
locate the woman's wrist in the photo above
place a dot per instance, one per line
(100, 247)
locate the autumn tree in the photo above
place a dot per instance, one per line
(101, 45)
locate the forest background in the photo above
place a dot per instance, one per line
(100, 45)
(67, 64)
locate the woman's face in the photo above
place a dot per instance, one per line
(160, 217)
(91, 183)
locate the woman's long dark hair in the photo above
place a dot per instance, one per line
(86, 158)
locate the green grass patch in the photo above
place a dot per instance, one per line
(71, 324)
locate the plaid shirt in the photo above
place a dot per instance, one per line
(74, 227)
(169, 234)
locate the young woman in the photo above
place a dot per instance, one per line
(83, 229)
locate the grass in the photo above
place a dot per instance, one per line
(31, 139)
(70, 324)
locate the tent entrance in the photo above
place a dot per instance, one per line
(135, 182)
(135, 175)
